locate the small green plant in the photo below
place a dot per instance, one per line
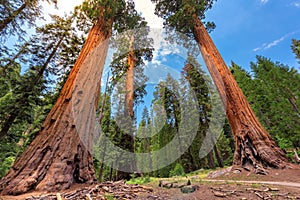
(255, 185)
(139, 180)
(177, 171)
(109, 197)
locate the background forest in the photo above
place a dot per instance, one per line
(34, 69)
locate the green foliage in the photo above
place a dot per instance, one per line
(283, 143)
(273, 93)
(177, 171)
(178, 14)
(6, 164)
(109, 197)
(296, 48)
(27, 97)
(139, 180)
(225, 148)
(16, 15)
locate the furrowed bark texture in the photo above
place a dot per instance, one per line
(129, 83)
(254, 146)
(60, 154)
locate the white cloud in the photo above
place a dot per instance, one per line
(146, 7)
(266, 46)
(269, 45)
(264, 1)
(296, 4)
(62, 7)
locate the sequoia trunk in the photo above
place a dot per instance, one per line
(129, 83)
(253, 145)
(59, 156)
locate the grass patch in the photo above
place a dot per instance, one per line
(140, 180)
(109, 197)
(255, 185)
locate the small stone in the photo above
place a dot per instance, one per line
(105, 188)
(219, 194)
(189, 189)
(237, 171)
(274, 189)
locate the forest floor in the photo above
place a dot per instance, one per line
(227, 183)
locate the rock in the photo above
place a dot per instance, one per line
(274, 189)
(237, 171)
(219, 194)
(165, 184)
(178, 185)
(189, 188)
(218, 173)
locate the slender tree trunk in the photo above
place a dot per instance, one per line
(211, 161)
(129, 83)
(23, 99)
(292, 101)
(4, 23)
(111, 173)
(218, 157)
(254, 146)
(59, 156)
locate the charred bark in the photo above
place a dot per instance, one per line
(58, 157)
(253, 144)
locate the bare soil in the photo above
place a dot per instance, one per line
(237, 184)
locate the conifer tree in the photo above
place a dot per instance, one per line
(16, 14)
(42, 56)
(58, 157)
(296, 48)
(254, 146)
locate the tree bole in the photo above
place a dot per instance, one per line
(58, 156)
(254, 146)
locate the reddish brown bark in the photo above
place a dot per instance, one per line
(129, 83)
(58, 157)
(254, 146)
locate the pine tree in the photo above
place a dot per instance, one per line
(40, 53)
(132, 48)
(272, 92)
(16, 14)
(296, 48)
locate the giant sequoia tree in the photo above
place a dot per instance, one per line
(254, 146)
(58, 157)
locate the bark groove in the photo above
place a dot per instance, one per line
(254, 146)
(59, 156)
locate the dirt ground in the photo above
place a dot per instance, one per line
(236, 184)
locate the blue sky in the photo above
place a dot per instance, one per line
(245, 28)
(256, 27)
